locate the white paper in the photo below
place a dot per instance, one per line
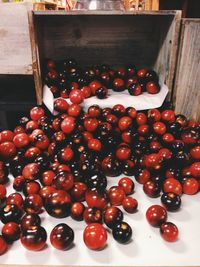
(141, 102)
(146, 249)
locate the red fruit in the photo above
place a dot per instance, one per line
(172, 185)
(21, 140)
(2, 191)
(77, 211)
(31, 171)
(16, 199)
(154, 115)
(195, 169)
(143, 176)
(46, 191)
(68, 125)
(11, 232)
(123, 153)
(66, 154)
(19, 182)
(190, 186)
(34, 238)
(95, 236)
(6, 136)
(152, 87)
(92, 215)
(86, 90)
(143, 129)
(118, 85)
(152, 160)
(31, 187)
(96, 199)
(116, 195)
(156, 215)
(78, 191)
(19, 129)
(141, 118)
(91, 124)
(62, 236)
(94, 85)
(42, 142)
(95, 145)
(169, 231)
(74, 110)
(168, 115)
(61, 105)
(165, 154)
(124, 123)
(33, 204)
(64, 180)
(130, 204)
(132, 112)
(36, 113)
(127, 184)
(195, 152)
(76, 96)
(3, 245)
(7, 150)
(159, 128)
(47, 177)
(141, 72)
(168, 138)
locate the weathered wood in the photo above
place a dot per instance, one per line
(35, 59)
(187, 84)
(15, 50)
(103, 12)
(167, 52)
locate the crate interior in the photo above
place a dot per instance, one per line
(117, 39)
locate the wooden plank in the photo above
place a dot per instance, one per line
(35, 59)
(167, 56)
(187, 84)
(15, 50)
(103, 12)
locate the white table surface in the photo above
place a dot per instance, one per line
(147, 247)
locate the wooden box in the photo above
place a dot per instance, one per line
(144, 38)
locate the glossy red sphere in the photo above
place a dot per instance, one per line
(156, 215)
(116, 195)
(169, 231)
(76, 96)
(191, 186)
(7, 150)
(96, 199)
(34, 238)
(11, 232)
(36, 113)
(130, 204)
(68, 125)
(21, 140)
(3, 245)
(62, 236)
(95, 236)
(172, 185)
(127, 184)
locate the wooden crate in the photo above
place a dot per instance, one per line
(186, 95)
(147, 39)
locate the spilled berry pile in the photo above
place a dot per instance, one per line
(68, 80)
(60, 166)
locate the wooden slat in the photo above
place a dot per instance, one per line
(187, 85)
(103, 12)
(15, 50)
(35, 59)
(167, 56)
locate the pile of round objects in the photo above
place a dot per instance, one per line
(68, 80)
(60, 166)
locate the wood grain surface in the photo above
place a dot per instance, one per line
(15, 49)
(187, 84)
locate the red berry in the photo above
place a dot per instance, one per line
(6, 136)
(152, 87)
(68, 125)
(21, 140)
(11, 232)
(156, 215)
(124, 123)
(195, 169)
(159, 128)
(169, 231)
(7, 150)
(76, 96)
(130, 204)
(172, 185)
(61, 105)
(190, 186)
(91, 124)
(116, 195)
(168, 115)
(141, 118)
(95, 145)
(195, 152)
(36, 113)
(127, 184)
(123, 153)
(3, 245)
(95, 236)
